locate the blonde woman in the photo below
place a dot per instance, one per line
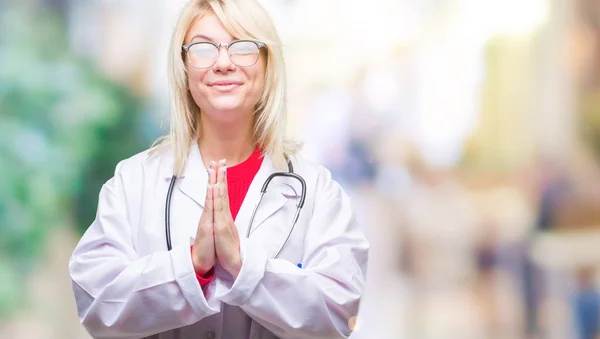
(203, 236)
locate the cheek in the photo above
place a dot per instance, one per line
(259, 84)
(259, 81)
(195, 84)
(195, 77)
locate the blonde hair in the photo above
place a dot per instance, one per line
(243, 19)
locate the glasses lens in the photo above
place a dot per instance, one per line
(203, 55)
(243, 53)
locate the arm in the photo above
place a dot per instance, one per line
(120, 294)
(315, 301)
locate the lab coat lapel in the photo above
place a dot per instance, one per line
(194, 180)
(272, 201)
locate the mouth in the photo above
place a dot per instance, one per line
(225, 86)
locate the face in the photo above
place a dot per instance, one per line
(224, 92)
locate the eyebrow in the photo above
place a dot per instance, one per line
(201, 37)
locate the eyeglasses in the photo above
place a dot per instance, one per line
(242, 53)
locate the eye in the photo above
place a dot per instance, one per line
(203, 55)
(203, 50)
(243, 47)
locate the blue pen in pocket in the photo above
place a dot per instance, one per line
(300, 265)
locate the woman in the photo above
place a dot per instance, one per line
(208, 275)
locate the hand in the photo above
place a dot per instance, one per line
(227, 240)
(203, 254)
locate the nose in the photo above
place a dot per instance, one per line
(223, 63)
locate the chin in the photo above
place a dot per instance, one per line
(227, 104)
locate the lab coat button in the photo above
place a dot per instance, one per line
(209, 334)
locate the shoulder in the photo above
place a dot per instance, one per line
(318, 177)
(150, 162)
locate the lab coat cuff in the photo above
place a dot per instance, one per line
(185, 276)
(254, 262)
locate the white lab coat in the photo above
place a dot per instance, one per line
(127, 285)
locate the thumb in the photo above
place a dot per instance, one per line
(207, 217)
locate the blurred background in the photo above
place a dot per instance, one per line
(467, 133)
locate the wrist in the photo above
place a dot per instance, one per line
(199, 267)
(201, 270)
(237, 267)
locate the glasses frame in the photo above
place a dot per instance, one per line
(185, 48)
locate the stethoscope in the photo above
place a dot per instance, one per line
(289, 174)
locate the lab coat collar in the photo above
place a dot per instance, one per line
(274, 199)
(194, 179)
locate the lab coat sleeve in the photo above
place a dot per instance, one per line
(318, 300)
(120, 294)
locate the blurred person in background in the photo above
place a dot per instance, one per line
(586, 304)
(552, 188)
(228, 94)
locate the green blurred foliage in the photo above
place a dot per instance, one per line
(63, 128)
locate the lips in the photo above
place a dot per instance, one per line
(225, 85)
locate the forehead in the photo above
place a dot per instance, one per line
(208, 26)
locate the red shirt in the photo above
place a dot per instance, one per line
(239, 178)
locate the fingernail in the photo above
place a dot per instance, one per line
(213, 163)
(222, 162)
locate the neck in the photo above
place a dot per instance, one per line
(233, 142)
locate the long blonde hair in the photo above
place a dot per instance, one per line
(243, 19)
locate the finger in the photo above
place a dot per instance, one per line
(221, 192)
(218, 203)
(220, 174)
(207, 217)
(224, 191)
(212, 173)
(219, 185)
(212, 180)
(203, 250)
(204, 235)
(210, 190)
